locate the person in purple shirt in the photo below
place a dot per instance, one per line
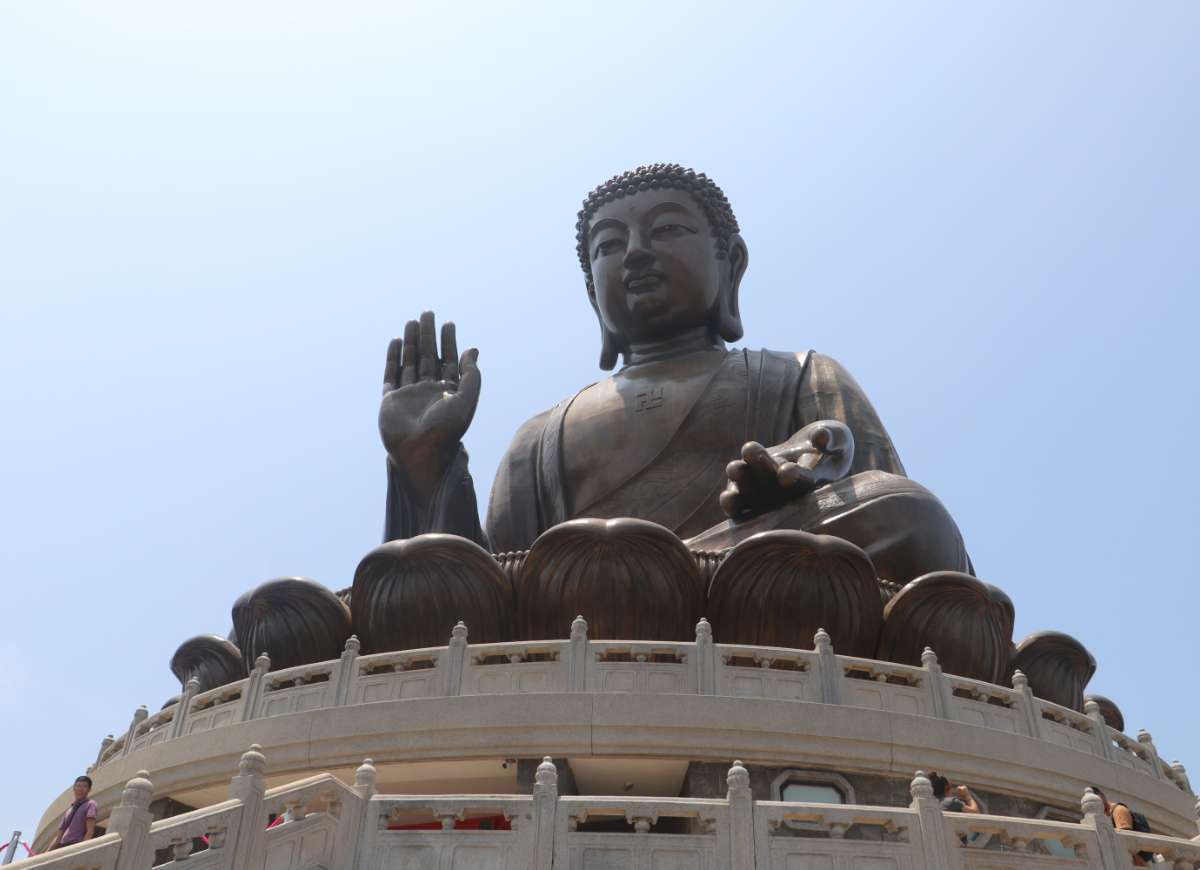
(79, 821)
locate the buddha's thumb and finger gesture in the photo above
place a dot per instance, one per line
(429, 399)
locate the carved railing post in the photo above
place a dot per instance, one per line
(1109, 848)
(347, 672)
(1147, 743)
(939, 689)
(104, 744)
(829, 670)
(1179, 773)
(365, 779)
(190, 689)
(577, 656)
(1103, 742)
(454, 660)
(139, 716)
(545, 808)
(935, 844)
(132, 821)
(1033, 718)
(706, 659)
(252, 697)
(249, 852)
(741, 818)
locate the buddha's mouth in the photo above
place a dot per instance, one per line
(644, 282)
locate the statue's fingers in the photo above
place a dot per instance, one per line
(391, 369)
(761, 463)
(790, 474)
(730, 499)
(738, 471)
(408, 357)
(427, 353)
(469, 379)
(821, 437)
(449, 352)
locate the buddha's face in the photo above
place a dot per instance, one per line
(654, 266)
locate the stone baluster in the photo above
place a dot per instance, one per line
(939, 689)
(828, 668)
(190, 689)
(1147, 743)
(1179, 774)
(252, 697)
(1033, 718)
(706, 659)
(1110, 855)
(356, 825)
(1104, 744)
(741, 817)
(577, 656)
(347, 673)
(248, 786)
(453, 660)
(104, 744)
(545, 808)
(132, 821)
(935, 843)
(139, 716)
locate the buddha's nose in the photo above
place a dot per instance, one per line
(638, 255)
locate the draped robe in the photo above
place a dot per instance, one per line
(762, 396)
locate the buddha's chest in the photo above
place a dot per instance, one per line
(623, 424)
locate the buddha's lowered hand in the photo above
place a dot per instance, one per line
(428, 402)
(765, 478)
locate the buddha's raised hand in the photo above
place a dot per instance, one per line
(763, 478)
(428, 402)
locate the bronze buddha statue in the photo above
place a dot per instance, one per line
(676, 435)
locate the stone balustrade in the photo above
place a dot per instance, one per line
(579, 664)
(322, 822)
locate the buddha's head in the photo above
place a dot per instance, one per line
(662, 257)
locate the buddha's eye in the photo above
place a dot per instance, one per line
(608, 246)
(666, 231)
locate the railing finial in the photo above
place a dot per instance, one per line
(738, 778)
(366, 776)
(352, 645)
(703, 630)
(459, 632)
(547, 773)
(138, 791)
(262, 664)
(920, 787)
(1091, 803)
(822, 642)
(929, 657)
(1019, 681)
(252, 762)
(578, 628)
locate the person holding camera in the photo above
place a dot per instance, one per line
(955, 798)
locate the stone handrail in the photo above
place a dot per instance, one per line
(340, 827)
(579, 664)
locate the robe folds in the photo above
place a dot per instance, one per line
(762, 396)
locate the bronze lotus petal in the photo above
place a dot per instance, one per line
(778, 588)
(212, 660)
(967, 622)
(294, 620)
(631, 579)
(1109, 710)
(409, 594)
(1057, 665)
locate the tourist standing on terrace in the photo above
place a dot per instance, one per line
(79, 821)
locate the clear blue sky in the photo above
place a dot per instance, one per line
(214, 217)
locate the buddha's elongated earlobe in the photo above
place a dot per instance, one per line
(611, 345)
(729, 318)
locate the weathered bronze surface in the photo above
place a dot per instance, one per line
(1057, 665)
(756, 488)
(212, 660)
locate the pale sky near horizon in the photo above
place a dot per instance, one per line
(213, 219)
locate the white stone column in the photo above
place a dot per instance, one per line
(545, 809)
(939, 689)
(250, 852)
(741, 818)
(706, 659)
(1104, 744)
(577, 656)
(1147, 742)
(190, 689)
(1179, 772)
(1107, 845)
(453, 660)
(132, 821)
(139, 716)
(829, 670)
(935, 843)
(252, 697)
(1033, 718)
(104, 744)
(347, 674)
